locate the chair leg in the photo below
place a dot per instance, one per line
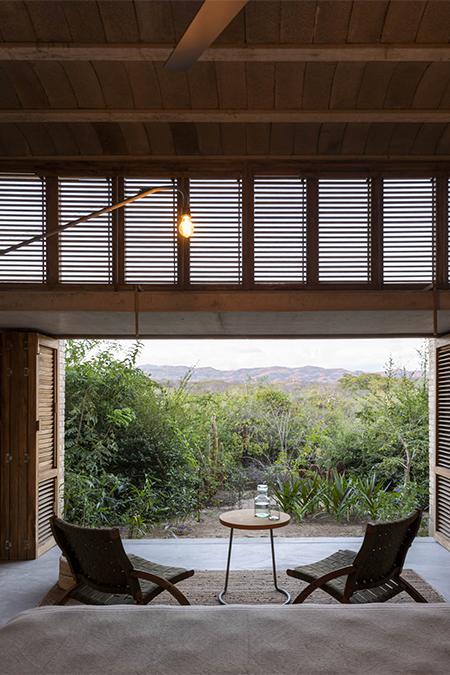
(413, 592)
(66, 596)
(301, 597)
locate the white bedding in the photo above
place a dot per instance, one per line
(308, 639)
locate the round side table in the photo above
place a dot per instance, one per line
(245, 519)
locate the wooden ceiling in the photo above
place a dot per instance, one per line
(333, 79)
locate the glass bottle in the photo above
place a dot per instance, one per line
(262, 502)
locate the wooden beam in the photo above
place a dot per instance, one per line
(53, 51)
(177, 300)
(409, 116)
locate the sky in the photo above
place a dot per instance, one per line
(366, 355)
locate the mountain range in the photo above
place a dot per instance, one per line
(286, 377)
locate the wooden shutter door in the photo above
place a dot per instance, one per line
(29, 447)
(440, 440)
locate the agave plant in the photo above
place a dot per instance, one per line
(338, 495)
(369, 489)
(286, 493)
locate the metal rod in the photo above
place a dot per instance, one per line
(227, 573)
(83, 219)
(274, 572)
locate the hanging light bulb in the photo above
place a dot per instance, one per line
(186, 226)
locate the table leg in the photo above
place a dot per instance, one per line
(227, 573)
(274, 572)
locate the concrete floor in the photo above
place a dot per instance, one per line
(24, 584)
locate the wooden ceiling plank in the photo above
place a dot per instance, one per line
(282, 139)
(56, 84)
(435, 24)
(378, 139)
(161, 139)
(38, 139)
(262, 22)
(306, 139)
(13, 140)
(144, 84)
(63, 140)
(289, 79)
(86, 138)
(202, 84)
(427, 139)
(209, 139)
(50, 25)
(432, 86)
(27, 85)
(174, 88)
(317, 85)
(232, 85)
(258, 138)
(136, 139)
(183, 12)
(85, 84)
(310, 115)
(15, 22)
(119, 20)
(185, 138)
(403, 138)
(297, 22)
(332, 23)
(84, 21)
(260, 85)
(155, 21)
(346, 85)
(402, 20)
(374, 82)
(8, 98)
(111, 139)
(354, 139)
(443, 146)
(115, 85)
(366, 21)
(403, 85)
(234, 139)
(330, 139)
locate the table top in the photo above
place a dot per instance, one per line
(245, 519)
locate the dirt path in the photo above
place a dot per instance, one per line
(209, 526)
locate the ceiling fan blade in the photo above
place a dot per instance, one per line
(210, 21)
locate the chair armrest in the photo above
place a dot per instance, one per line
(320, 581)
(163, 583)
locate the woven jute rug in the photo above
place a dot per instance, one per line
(252, 588)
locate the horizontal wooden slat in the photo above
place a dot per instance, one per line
(279, 229)
(86, 249)
(151, 233)
(216, 247)
(22, 216)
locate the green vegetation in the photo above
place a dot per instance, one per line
(138, 453)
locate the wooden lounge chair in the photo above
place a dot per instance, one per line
(105, 575)
(372, 574)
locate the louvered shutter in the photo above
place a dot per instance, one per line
(441, 483)
(22, 216)
(408, 230)
(279, 229)
(85, 250)
(150, 233)
(47, 441)
(216, 247)
(344, 230)
(29, 448)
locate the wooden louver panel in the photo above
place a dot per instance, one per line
(344, 230)
(408, 230)
(85, 250)
(443, 407)
(151, 233)
(22, 216)
(216, 248)
(443, 506)
(46, 442)
(46, 508)
(279, 229)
